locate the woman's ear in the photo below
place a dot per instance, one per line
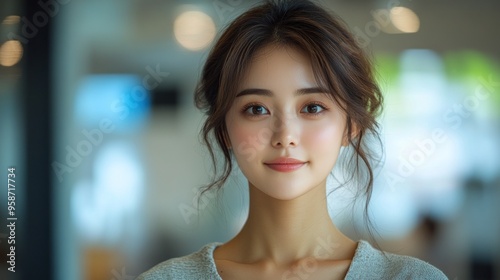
(347, 136)
(227, 142)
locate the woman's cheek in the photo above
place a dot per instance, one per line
(323, 137)
(247, 139)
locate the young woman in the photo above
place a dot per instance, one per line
(284, 88)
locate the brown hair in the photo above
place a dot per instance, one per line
(339, 65)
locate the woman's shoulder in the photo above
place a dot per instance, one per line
(370, 263)
(198, 265)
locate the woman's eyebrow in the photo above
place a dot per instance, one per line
(303, 91)
(266, 92)
(255, 91)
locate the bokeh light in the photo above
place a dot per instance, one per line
(13, 19)
(405, 20)
(11, 53)
(194, 30)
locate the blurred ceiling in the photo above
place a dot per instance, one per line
(126, 35)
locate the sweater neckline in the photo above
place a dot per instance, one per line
(208, 254)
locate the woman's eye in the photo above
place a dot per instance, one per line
(313, 109)
(256, 110)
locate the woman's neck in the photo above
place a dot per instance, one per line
(283, 232)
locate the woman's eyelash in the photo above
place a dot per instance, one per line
(323, 107)
(251, 105)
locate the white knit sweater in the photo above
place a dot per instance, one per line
(367, 263)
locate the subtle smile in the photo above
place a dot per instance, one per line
(285, 164)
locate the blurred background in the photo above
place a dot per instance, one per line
(97, 117)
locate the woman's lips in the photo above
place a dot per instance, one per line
(285, 164)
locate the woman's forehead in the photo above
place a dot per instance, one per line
(274, 64)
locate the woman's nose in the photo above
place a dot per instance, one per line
(285, 129)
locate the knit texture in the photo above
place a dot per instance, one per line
(367, 263)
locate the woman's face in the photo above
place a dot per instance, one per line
(281, 112)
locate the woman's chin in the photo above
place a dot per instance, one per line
(284, 192)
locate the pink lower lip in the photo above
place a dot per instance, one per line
(285, 167)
